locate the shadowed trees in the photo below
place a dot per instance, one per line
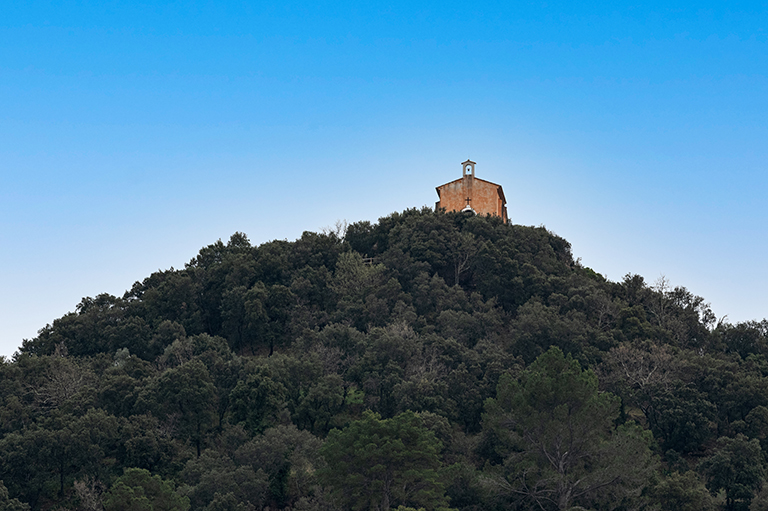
(228, 375)
(376, 464)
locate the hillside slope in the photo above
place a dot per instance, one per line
(440, 333)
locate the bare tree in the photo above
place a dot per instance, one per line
(89, 491)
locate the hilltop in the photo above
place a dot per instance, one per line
(475, 362)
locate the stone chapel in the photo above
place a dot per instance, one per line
(472, 194)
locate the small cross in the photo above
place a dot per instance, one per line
(468, 201)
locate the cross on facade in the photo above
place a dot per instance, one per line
(468, 201)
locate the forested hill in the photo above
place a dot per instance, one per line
(430, 360)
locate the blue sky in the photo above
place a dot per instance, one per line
(133, 134)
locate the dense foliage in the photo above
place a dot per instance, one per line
(430, 360)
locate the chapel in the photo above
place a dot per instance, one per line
(472, 194)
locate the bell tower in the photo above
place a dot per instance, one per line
(468, 168)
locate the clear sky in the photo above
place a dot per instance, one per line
(134, 133)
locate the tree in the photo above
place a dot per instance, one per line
(682, 492)
(214, 473)
(138, 490)
(146, 443)
(638, 373)
(681, 417)
(257, 401)
(376, 464)
(244, 316)
(562, 446)
(323, 400)
(38, 460)
(760, 502)
(25, 462)
(9, 504)
(188, 392)
(462, 247)
(737, 468)
(289, 457)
